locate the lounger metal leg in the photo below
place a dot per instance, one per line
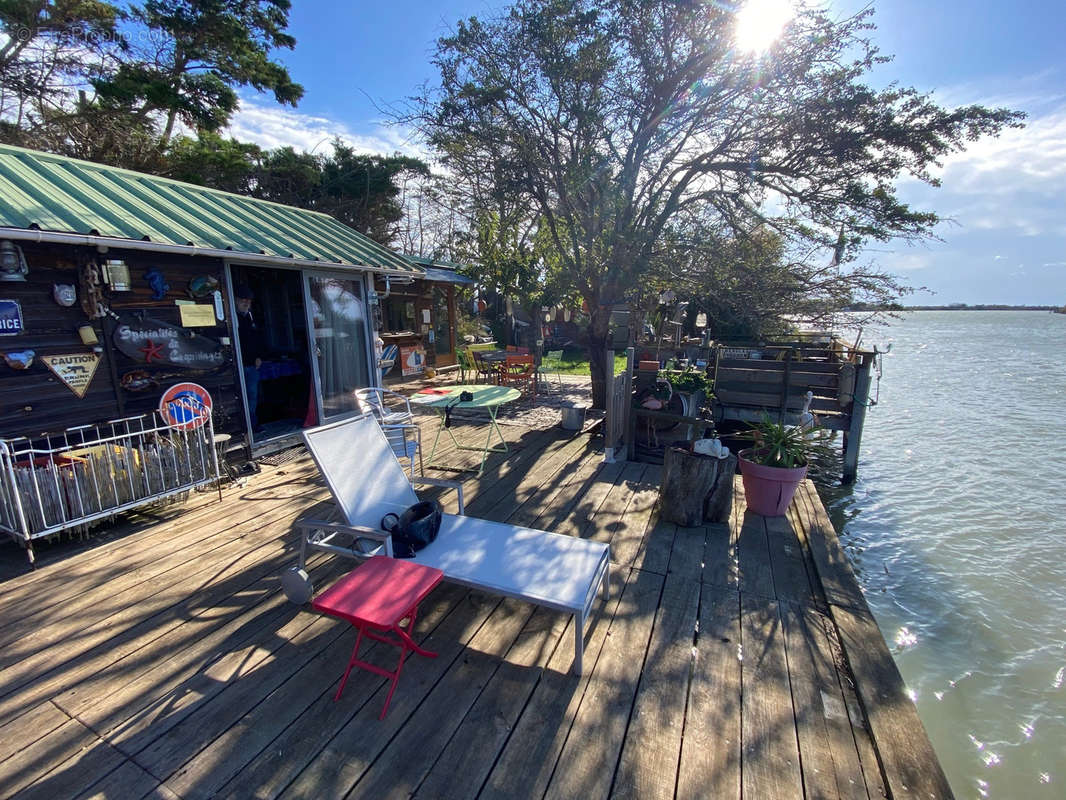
(579, 643)
(607, 581)
(303, 547)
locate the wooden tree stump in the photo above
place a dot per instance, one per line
(719, 503)
(688, 480)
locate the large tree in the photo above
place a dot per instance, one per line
(612, 119)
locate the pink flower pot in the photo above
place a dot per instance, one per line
(769, 490)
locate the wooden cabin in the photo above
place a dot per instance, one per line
(115, 286)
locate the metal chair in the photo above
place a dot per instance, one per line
(552, 358)
(520, 371)
(393, 413)
(466, 363)
(483, 369)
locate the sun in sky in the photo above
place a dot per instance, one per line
(760, 22)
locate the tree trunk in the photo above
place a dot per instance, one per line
(599, 325)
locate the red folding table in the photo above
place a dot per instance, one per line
(376, 597)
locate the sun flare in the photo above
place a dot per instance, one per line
(760, 22)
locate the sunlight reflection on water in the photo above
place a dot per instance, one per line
(956, 530)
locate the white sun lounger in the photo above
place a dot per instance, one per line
(367, 482)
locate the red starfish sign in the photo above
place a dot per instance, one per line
(152, 350)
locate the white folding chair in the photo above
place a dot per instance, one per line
(393, 412)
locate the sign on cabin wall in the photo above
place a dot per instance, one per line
(76, 370)
(197, 315)
(10, 318)
(412, 360)
(150, 341)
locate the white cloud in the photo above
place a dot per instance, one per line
(1014, 184)
(906, 262)
(273, 126)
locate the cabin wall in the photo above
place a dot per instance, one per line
(35, 400)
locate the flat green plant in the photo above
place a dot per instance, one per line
(778, 445)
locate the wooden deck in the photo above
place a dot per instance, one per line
(166, 663)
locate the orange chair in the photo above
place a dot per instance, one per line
(522, 351)
(520, 372)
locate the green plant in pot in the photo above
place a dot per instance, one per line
(694, 385)
(775, 465)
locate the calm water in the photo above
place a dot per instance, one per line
(957, 527)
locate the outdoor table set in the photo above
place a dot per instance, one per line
(444, 399)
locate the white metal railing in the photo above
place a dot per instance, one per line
(66, 481)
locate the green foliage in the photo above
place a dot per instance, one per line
(780, 445)
(690, 380)
(195, 54)
(72, 68)
(210, 160)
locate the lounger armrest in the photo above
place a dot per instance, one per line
(424, 481)
(357, 531)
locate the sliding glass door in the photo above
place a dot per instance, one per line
(337, 319)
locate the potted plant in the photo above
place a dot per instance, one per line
(775, 465)
(694, 387)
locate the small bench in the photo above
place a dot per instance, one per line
(378, 596)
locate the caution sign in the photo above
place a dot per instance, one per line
(185, 406)
(76, 370)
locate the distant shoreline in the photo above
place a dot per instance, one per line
(989, 307)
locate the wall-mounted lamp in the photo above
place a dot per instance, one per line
(117, 273)
(12, 262)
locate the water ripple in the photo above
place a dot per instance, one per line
(955, 529)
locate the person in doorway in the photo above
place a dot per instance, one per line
(252, 348)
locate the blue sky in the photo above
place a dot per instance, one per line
(1006, 198)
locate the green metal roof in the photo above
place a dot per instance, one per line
(40, 191)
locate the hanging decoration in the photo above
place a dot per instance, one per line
(92, 294)
(117, 273)
(87, 334)
(76, 370)
(151, 341)
(157, 283)
(202, 286)
(138, 381)
(64, 294)
(13, 265)
(19, 360)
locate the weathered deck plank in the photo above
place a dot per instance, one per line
(587, 762)
(649, 760)
(771, 765)
(465, 762)
(711, 747)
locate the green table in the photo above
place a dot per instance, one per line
(489, 398)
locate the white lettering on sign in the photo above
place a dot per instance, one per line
(129, 335)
